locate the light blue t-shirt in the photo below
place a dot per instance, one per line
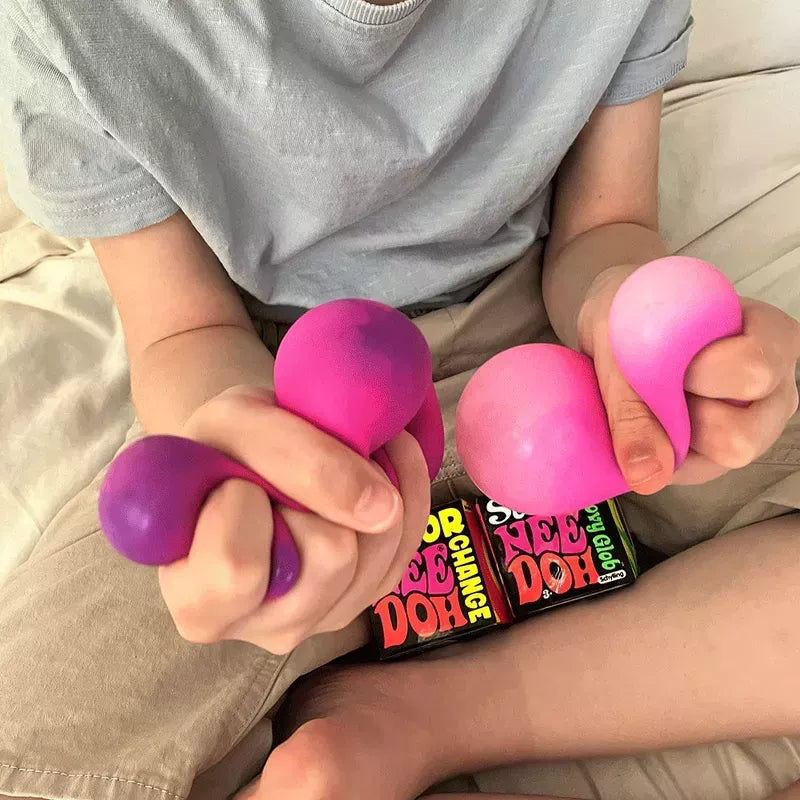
(322, 148)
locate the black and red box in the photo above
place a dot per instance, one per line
(546, 561)
(481, 566)
(449, 591)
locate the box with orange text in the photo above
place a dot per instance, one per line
(449, 591)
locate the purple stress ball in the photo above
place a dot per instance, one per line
(152, 495)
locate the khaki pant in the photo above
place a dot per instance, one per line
(100, 698)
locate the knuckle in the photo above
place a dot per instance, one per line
(234, 573)
(192, 614)
(194, 634)
(193, 628)
(220, 510)
(181, 611)
(737, 450)
(281, 644)
(332, 469)
(234, 578)
(330, 463)
(631, 416)
(758, 375)
(336, 554)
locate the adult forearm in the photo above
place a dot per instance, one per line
(173, 377)
(703, 648)
(571, 268)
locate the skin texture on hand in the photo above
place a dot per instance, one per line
(354, 545)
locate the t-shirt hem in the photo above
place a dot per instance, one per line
(641, 77)
(371, 14)
(125, 213)
(637, 91)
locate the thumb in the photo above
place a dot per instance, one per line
(642, 448)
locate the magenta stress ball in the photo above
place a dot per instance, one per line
(531, 427)
(362, 372)
(151, 498)
(357, 369)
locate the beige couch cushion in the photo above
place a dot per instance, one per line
(730, 180)
(737, 37)
(64, 395)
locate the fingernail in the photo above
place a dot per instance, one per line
(376, 506)
(641, 465)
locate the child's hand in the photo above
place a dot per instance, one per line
(756, 368)
(353, 547)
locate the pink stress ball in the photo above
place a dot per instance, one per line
(661, 318)
(531, 427)
(361, 371)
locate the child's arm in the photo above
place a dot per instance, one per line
(605, 225)
(605, 207)
(188, 335)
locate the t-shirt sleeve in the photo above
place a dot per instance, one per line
(656, 54)
(64, 170)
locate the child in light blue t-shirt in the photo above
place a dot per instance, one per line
(295, 151)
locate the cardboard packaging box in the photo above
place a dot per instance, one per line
(449, 591)
(544, 562)
(481, 566)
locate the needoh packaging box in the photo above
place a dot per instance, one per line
(545, 562)
(449, 591)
